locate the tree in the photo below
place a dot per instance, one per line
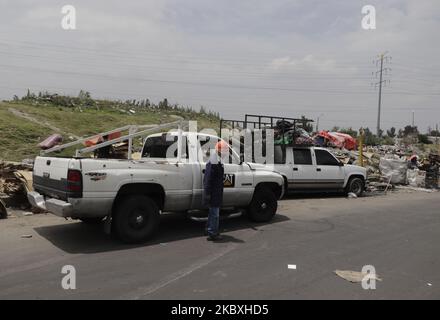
(163, 104)
(84, 95)
(410, 130)
(392, 132)
(423, 138)
(387, 140)
(435, 133)
(370, 138)
(380, 133)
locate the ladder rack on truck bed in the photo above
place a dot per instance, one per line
(133, 131)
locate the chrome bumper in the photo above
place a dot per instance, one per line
(55, 206)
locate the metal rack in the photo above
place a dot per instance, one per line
(132, 133)
(257, 121)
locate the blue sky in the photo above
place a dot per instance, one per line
(279, 57)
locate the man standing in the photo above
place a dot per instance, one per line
(213, 189)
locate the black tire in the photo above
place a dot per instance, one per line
(3, 212)
(263, 205)
(135, 218)
(355, 185)
(91, 220)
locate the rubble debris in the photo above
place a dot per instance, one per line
(394, 169)
(405, 164)
(431, 166)
(15, 183)
(380, 186)
(351, 195)
(26, 236)
(416, 178)
(415, 189)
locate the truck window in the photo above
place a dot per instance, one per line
(279, 155)
(156, 147)
(302, 156)
(325, 158)
(207, 144)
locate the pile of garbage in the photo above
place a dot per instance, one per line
(15, 183)
(390, 166)
(287, 133)
(387, 165)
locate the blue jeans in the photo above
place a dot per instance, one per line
(213, 219)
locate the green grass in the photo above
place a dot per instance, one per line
(19, 137)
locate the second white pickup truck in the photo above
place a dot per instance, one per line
(133, 193)
(314, 169)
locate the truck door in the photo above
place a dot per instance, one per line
(303, 170)
(329, 171)
(238, 178)
(162, 153)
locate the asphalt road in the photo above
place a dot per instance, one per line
(398, 234)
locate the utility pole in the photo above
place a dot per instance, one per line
(412, 122)
(437, 138)
(317, 122)
(380, 61)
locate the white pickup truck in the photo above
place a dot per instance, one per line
(133, 193)
(313, 169)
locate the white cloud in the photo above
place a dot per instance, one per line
(308, 62)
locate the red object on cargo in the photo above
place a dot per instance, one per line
(113, 135)
(98, 139)
(339, 140)
(93, 141)
(349, 142)
(51, 141)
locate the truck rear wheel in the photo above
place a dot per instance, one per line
(263, 205)
(135, 218)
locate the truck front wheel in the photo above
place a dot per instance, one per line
(355, 185)
(263, 205)
(135, 218)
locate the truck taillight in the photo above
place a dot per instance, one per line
(74, 183)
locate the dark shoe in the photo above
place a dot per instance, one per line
(214, 237)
